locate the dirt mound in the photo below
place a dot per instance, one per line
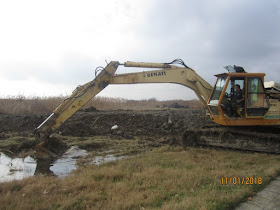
(130, 123)
(133, 123)
(20, 123)
(161, 126)
(100, 123)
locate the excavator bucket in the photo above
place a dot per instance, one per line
(49, 148)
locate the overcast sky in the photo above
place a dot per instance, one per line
(49, 47)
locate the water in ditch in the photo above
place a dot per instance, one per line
(19, 168)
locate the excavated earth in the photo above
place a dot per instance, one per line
(137, 131)
(157, 127)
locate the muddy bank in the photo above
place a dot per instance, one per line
(150, 128)
(100, 122)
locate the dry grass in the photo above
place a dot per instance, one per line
(22, 105)
(43, 105)
(167, 178)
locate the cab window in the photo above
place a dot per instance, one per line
(229, 104)
(257, 104)
(218, 89)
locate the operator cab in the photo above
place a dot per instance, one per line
(238, 95)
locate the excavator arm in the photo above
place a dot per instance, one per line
(163, 73)
(166, 74)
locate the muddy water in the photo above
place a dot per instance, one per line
(67, 163)
(103, 159)
(19, 168)
(16, 168)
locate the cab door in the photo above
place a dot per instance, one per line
(257, 103)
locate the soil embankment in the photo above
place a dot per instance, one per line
(158, 126)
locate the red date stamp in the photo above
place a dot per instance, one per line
(241, 180)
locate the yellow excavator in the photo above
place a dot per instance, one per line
(237, 125)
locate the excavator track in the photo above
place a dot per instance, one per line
(256, 138)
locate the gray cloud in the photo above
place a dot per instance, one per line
(73, 68)
(207, 35)
(211, 34)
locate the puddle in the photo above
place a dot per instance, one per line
(67, 163)
(103, 159)
(19, 168)
(16, 168)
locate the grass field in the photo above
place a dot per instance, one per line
(166, 178)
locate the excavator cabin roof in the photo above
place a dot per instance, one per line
(238, 71)
(241, 74)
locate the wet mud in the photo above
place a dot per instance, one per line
(163, 124)
(91, 133)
